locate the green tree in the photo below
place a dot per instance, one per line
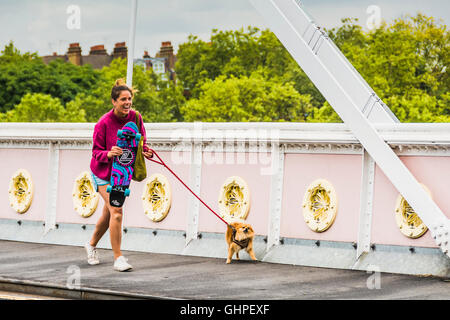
(38, 107)
(26, 73)
(155, 99)
(303, 84)
(239, 53)
(404, 62)
(325, 113)
(418, 106)
(243, 75)
(251, 98)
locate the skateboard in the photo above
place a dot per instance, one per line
(122, 169)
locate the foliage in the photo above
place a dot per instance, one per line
(26, 73)
(251, 98)
(39, 107)
(241, 75)
(405, 63)
(155, 99)
(238, 53)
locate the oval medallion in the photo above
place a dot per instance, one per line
(84, 196)
(157, 197)
(320, 205)
(21, 191)
(407, 219)
(234, 199)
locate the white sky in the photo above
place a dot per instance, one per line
(41, 25)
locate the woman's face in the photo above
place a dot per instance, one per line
(123, 103)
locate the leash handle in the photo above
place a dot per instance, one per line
(161, 162)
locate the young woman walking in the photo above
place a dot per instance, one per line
(103, 150)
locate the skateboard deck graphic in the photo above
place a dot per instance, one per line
(122, 169)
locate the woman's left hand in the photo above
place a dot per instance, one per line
(148, 155)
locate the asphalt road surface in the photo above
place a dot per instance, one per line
(62, 271)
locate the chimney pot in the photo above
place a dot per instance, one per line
(98, 47)
(98, 50)
(120, 50)
(74, 53)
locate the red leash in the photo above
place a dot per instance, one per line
(161, 162)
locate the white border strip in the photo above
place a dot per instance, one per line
(52, 187)
(366, 205)
(276, 196)
(194, 182)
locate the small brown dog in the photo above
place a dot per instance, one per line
(239, 236)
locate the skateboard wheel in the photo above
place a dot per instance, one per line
(108, 189)
(119, 133)
(127, 192)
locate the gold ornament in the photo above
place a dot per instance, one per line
(157, 197)
(234, 199)
(320, 205)
(21, 191)
(84, 196)
(407, 219)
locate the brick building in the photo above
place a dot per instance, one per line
(97, 58)
(162, 64)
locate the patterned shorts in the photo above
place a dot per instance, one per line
(98, 181)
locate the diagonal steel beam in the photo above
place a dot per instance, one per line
(352, 99)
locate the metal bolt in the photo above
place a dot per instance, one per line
(156, 232)
(83, 227)
(19, 222)
(317, 243)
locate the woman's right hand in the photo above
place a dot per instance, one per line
(115, 151)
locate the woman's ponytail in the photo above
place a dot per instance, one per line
(120, 85)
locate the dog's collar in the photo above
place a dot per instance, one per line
(243, 243)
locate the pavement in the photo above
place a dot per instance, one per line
(62, 271)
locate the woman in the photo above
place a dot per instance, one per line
(103, 150)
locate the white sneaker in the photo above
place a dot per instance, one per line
(92, 254)
(121, 264)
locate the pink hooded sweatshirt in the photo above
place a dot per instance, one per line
(105, 137)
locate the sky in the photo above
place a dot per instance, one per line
(47, 26)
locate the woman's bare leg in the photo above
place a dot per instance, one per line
(101, 226)
(111, 218)
(115, 230)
